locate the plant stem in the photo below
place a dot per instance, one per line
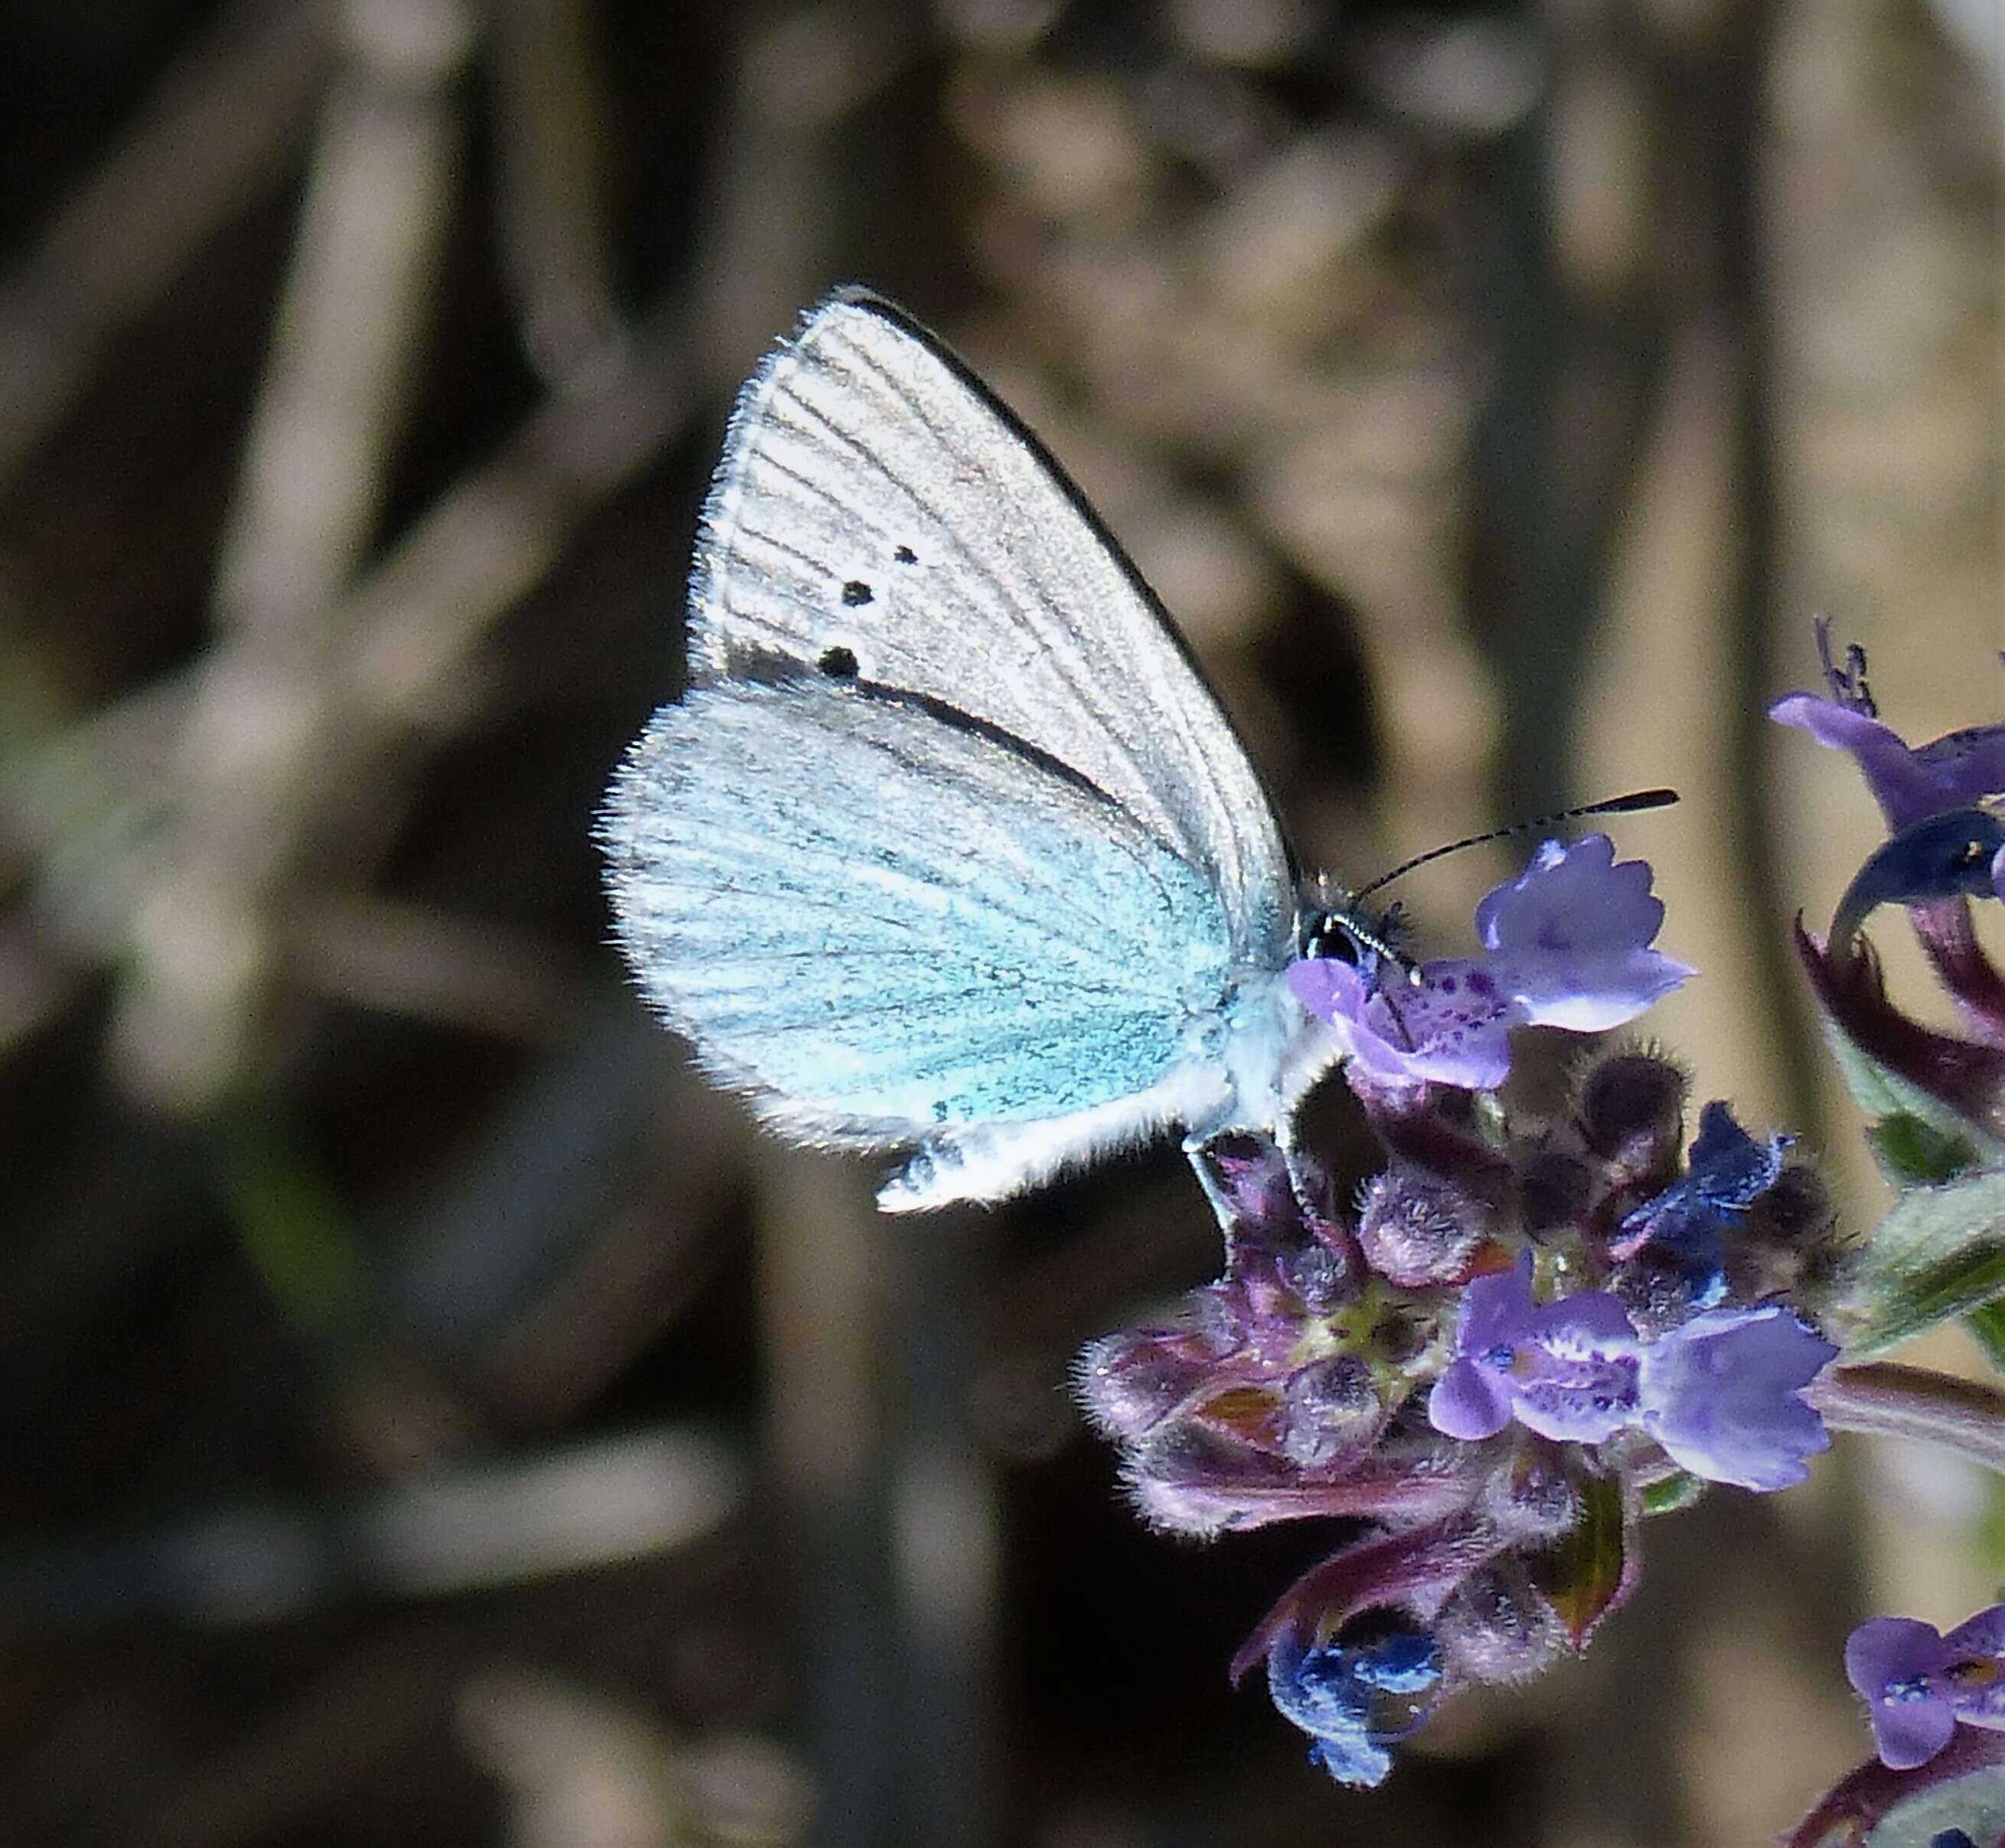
(1892, 1400)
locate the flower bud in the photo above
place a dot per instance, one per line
(1631, 1111)
(1497, 1629)
(1127, 1383)
(1557, 1189)
(1318, 1274)
(1791, 1236)
(1183, 1476)
(1659, 1290)
(1418, 1228)
(1796, 1209)
(1534, 1501)
(1331, 1410)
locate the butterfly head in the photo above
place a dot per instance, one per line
(1331, 922)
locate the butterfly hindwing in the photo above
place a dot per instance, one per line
(884, 925)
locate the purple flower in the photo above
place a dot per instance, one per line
(1722, 1394)
(1896, 1664)
(1448, 1028)
(1570, 937)
(1354, 1700)
(1729, 1171)
(1565, 1370)
(1568, 946)
(1917, 1683)
(1910, 784)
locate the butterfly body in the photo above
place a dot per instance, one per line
(948, 847)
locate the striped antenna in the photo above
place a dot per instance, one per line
(1633, 803)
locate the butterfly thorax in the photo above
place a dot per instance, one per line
(1265, 1050)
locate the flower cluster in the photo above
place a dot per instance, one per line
(1514, 1344)
(1946, 847)
(1522, 1336)
(1935, 1103)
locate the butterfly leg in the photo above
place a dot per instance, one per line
(1225, 1208)
(1307, 1179)
(1260, 1154)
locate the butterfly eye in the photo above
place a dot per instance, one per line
(1329, 934)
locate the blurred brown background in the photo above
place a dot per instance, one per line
(429, 1414)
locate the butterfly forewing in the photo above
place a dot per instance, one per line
(878, 513)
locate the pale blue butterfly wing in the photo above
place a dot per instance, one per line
(950, 846)
(905, 964)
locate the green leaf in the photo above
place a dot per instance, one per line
(1672, 1493)
(1585, 1576)
(1987, 1324)
(1913, 1153)
(1939, 1252)
(1918, 1140)
(1975, 1803)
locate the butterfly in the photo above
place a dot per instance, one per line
(948, 847)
